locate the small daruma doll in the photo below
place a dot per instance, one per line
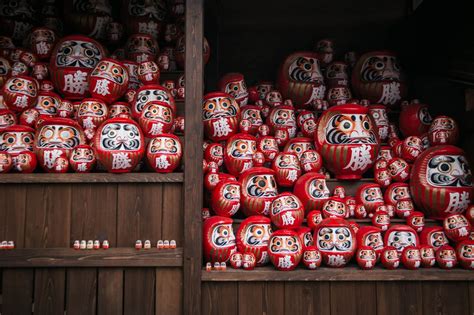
(92, 113)
(164, 153)
(7, 118)
(371, 236)
(441, 181)
(220, 115)
(378, 78)
(311, 161)
(141, 47)
(218, 239)
(427, 254)
(82, 159)
(235, 260)
(156, 118)
(401, 236)
(148, 72)
(433, 236)
(109, 80)
(446, 257)
(312, 190)
(415, 119)
(25, 162)
(150, 93)
(234, 85)
(379, 114)
(259, 189)
(287, 169)
(366, 257)
(285, 249)
(253, 236)
(399, 169)
(300, 78)
(283, 117)
(20, 93)
(42, 41)
(411, 257)
(416, 220)
(55, 138)
(336, 240)
(119, 145)
(465, 254)
(443, 130)
(287, 211)
(16, 139)
(225, 198)
(334, 207)
(389, 258)
(457, 227)
(72, 60)
(6, 162)
(239, 152)
(312, 258)
(348, 140)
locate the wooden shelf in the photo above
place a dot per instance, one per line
(349, 273)
(68, 257)
(37, 178)
(428, 222)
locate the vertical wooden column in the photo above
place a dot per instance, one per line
(193, 158)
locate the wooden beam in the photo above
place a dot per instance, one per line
(91, 178)
(192, 157)
(349, 273)
(68, 257)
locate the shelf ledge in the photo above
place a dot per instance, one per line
(68, 257)
(40, 178)
(349, 273)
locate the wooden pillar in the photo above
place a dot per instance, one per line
(193, 158)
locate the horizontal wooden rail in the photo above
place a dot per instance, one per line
(349, 273)
(68, 257)
(37, 178)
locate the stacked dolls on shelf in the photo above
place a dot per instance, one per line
(65, 103)
(269, 158)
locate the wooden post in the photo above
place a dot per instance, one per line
(193, 158)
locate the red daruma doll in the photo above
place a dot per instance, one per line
(239, 152)
(348, 140)
(440, 182)
(220, 115)
(253, 236)
(72, 60)
(218, 239)
(156, 118)
(287, 168)
(285, 249)
(119, 145)
(234, 85)
(259, 189)
(312, 190)
(225, 198)
(20, 93)
(109, 80)
(336, 241)
(312, 258)
(465, 254)
(366, 257)
(164, 153)
(287, 211)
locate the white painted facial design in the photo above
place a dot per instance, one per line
(243, 148)
(374, 240)
(350, 129)
(456, 222)
(372, 194)
(157, 112)
(467, 251)
(299, 147)
(424, 116)
(223, 236)
(22, 86)
(380, 68)
(120, 136)
(252, 115)
(284, 203)
(16, 141)
(257, 234)
(318, 189)
(165, 145)
(449, 171)
(144, 97)
(58, 136)
(217, 107)
(305, 69)
(288, 161)
(438, 239)
(284, 244)
(262, 186)
(112, 71)
(335, 239)
(153, 8)
(237, 89)
(401, 239)
(78, 54)
(82, 155)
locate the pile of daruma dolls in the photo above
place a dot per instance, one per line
(271, 149)
(67, 104)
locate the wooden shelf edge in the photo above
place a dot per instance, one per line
(68, 257)
(91, 178)
(349, 273)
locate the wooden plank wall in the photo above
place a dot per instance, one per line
(54, 215)
(362, 298)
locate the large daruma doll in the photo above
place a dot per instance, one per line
(220, 114)
(348, 140)
(440, 181)
(377, 77)
(119, 145)
(300, 78)
(336, 240)
(73, 59)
